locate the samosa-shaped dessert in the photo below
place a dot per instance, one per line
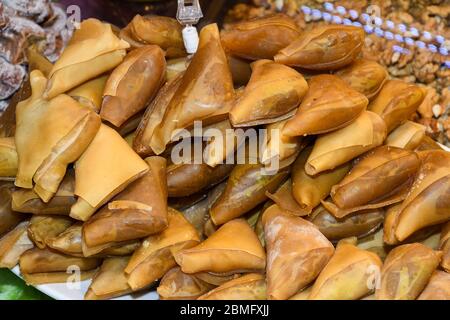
(335, 148)
(43, 227)
(234, 247)
(133, 84)
(397, 102)
(13, 244)
(90, 93)
(205, 92)
(155, 256)
(308, 190)
(251, 286)
(438, 288)
(407, 136)
(93, 50)
(49, 137)
(381, 177)
(165, 32)
(136, 212)
(110, 281)
(8, 158)
(284, 198)
(68, 241)
(428, 201)
(330, 104)
(274, 90)
(39, 266)
(246, 188)
(445, 247)
(296, 252)
(101, 172)
(406, 271)
(9, 218)
(260, 38)
(364, 76)
(328, 47)
(348, 274)
(177, 285)
(28, 201)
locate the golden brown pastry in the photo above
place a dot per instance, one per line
(110, 280)
(234, 247)
(68, 241)
(13, 244)
(330, 104)
(90, 93)
(445, 247)
(8, 158)
(164, 32)
(438, 288)
(177, 285)
(348, 274)
(155, 256)
(376, 177)
(397, 102)
(428, 201)
(216, 279)
(365, 76)
(93, 50)
(335, 148)
(28, 201)
(100, 173)
(308, 190)
(43, 227)
(260, 38)
(205, 92)
(246, 188)
(133, 84)
(49, 137)
(248, 287)
(406, 271)
(9, 218)
(327, 47)
(284, 198)
(407, 136)
(137, 212)
(296, 252)
(273, 92)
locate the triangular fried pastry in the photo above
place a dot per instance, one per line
(428, 201)
(133, 84)
(365, 76)
(234, 247)
(165, 32)
(93, 50)
(68, 241)
(407, 136)
(347, 275)
(155, 256)
(90, 93)
(375, 176)
(246, 188)
(28, 201)
(260, 38)
(251, 286)
(327, 47)
(13, 244)
(296, 252)
(285, 200)
(177, 285)
(216, 279)
(110, 281)
(308, 190)
(101, 172)
(406, 271)
(445, 247)
(320, 113)
(48, 137)
(205, 92)
(397, 102)
(9, 218)
(8, 158)
(136, 212)
(43, 227)
(335, 148)
(274, 90)
(438, 288)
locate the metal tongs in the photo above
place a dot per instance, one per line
(188, 14)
